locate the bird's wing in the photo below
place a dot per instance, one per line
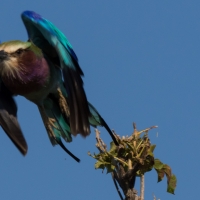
(8, 119)
(56, 46)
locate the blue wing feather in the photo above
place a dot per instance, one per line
(43, 33)
(54, 36)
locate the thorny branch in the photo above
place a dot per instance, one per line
(133, 157)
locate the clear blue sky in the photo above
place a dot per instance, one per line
(141, 61)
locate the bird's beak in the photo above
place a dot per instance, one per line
(3, 55)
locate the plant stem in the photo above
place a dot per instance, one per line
(142, 187)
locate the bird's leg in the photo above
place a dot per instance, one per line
(63, 103)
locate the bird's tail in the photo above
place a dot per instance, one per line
(96, 120)
(55, 124)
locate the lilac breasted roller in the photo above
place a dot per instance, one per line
(45, 70)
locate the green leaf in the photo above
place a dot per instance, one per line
(113, 149)
(161, 174)
(99, 165)
(112, 146)
(152, 147)
(147, 165)
(171, 179)
(168, 172)
(110, 168)
(172, 184)
(158, 164)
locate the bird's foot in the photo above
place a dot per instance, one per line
(63, 103)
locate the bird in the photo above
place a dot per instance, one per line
(46, 71)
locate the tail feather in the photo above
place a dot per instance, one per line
(67, 151)
(97, 120)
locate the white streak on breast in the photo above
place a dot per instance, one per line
(9, 68)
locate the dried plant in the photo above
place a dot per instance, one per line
(132, 158)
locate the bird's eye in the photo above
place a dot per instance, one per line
(19, 51)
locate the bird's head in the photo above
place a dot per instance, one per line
(15, 55)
